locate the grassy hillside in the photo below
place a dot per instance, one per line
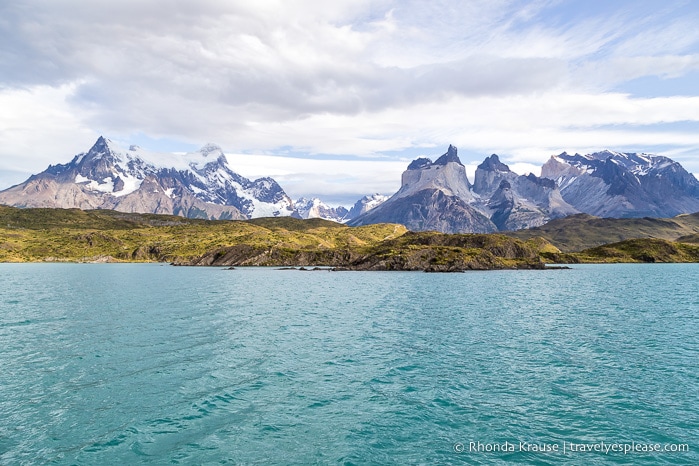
(632, 250)
(75, 235)
(582, 231)
(100, 235)
(30, 235)
(429, 251)
(692, 239)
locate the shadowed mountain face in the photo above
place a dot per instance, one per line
(615, 184)
(438, 196)
(198, 185)
(608, 184)
(515, 201)
(429, 209)
(433, 196)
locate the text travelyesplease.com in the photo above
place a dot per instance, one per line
(571, 447)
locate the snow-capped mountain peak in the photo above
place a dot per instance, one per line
(609, 183)
(109, 177)
(315, 208)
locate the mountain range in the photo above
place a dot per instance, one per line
(438, 196)
(615, 184)
(199, 184)
(433, 195)
(315, 208)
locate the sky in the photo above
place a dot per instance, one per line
(333, 99)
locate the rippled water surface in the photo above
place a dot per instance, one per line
(145, 363)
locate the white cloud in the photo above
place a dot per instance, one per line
(341, 181)
(38, 127)
(524, 79)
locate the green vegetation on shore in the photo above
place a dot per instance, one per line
(429, 251)
(30, 235)
(34, 235)
(44, 235)
(580, 232)
(631, 250)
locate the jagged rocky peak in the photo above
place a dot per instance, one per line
(489, 174)
(420, 162)
(493, 163)
(103, 147)
(450, 156)
(425, 162)
(446, 174)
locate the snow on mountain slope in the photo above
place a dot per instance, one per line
(617, 184)
(315, 208)
(199, 184)
(365, 204)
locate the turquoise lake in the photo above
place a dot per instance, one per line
(149, 363)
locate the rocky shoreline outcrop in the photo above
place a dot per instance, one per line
(413, 251)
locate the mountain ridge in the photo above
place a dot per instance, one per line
(439, 196)
(197, 184)
(618, 184)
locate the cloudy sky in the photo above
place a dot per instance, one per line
(335, 98)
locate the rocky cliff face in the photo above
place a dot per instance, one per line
(513, 201)
(427, 251)
(615, 184)
(433, 196)
(446, 174)
(438, 196)
(199, 184)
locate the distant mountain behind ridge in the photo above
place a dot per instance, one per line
(615, 184)
(434, 195)
(315, 208)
